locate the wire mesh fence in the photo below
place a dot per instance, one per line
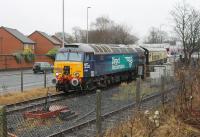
(53, 117)
(22, 80)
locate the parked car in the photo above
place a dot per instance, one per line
(42, 67)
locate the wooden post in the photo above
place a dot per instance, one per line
(3, 122)
(98, 113)
(145, 71)
(22, 81)
(45, 79)
(163, 89)
(165, 74)
(138, 91)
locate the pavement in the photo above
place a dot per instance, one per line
(11, 80)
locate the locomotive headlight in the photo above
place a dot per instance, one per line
(74, 82)
(57, 73)
(76, 74)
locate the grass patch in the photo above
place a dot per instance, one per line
(174, 119)
(141, 125)
(128, 90)
(16, 97)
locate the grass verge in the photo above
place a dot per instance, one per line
(16, 97)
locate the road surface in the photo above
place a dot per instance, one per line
(11, 80)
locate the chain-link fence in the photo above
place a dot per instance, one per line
(97, 113)
(23, 80)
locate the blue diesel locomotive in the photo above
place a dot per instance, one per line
(87, 66)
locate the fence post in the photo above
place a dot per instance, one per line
(98, 113)
(163, 89)
(165, 74)
(45, 79)
(3, 122)
(145, 70)
(22, 81)
(138, 91)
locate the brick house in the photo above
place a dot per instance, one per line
(59, 39)
(44, 42)
(12, 41)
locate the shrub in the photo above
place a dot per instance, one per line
(52, 53)
(28, 56)
(18, 57)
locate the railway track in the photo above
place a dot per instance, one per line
(25, 105)
(84, 104)
(33, 103)
(88, 128)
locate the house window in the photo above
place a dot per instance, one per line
(28, 48)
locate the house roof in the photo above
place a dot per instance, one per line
(58, 39)
(19, 35)
(49, 38)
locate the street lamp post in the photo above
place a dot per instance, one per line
(87, 23)
(63, 42)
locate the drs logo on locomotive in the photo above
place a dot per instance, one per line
(122, 62)
(116, 63)
(129, 60)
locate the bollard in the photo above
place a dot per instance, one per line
(3, 122)
(45, 79)
(163, 89)
(138, 91)
(98, 113)
(22, 81)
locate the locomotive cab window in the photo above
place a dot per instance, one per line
(62, 56)
(69, 56)
(75, 56)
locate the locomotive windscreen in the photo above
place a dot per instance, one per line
(69, 56)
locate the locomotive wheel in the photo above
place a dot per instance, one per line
(89, 85)
(109, 82)
(112, 80)
(105, 83)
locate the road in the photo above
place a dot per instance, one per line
(11, 80)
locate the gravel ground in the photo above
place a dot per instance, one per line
(82, 105)
(114, 120)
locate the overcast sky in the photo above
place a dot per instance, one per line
(46, 15)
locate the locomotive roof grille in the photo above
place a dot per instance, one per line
(98, 48)
(105, 49)
(95, 48)
(130, 50)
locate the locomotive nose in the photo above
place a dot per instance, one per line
(74, 82)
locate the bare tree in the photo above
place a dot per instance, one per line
(79, 35)
(102, 23)
(194, 33)
(187, 27)
(68, 37)
(107, 31)
(156, 36)
(121, 35)
(103, 30)
(76, 34)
